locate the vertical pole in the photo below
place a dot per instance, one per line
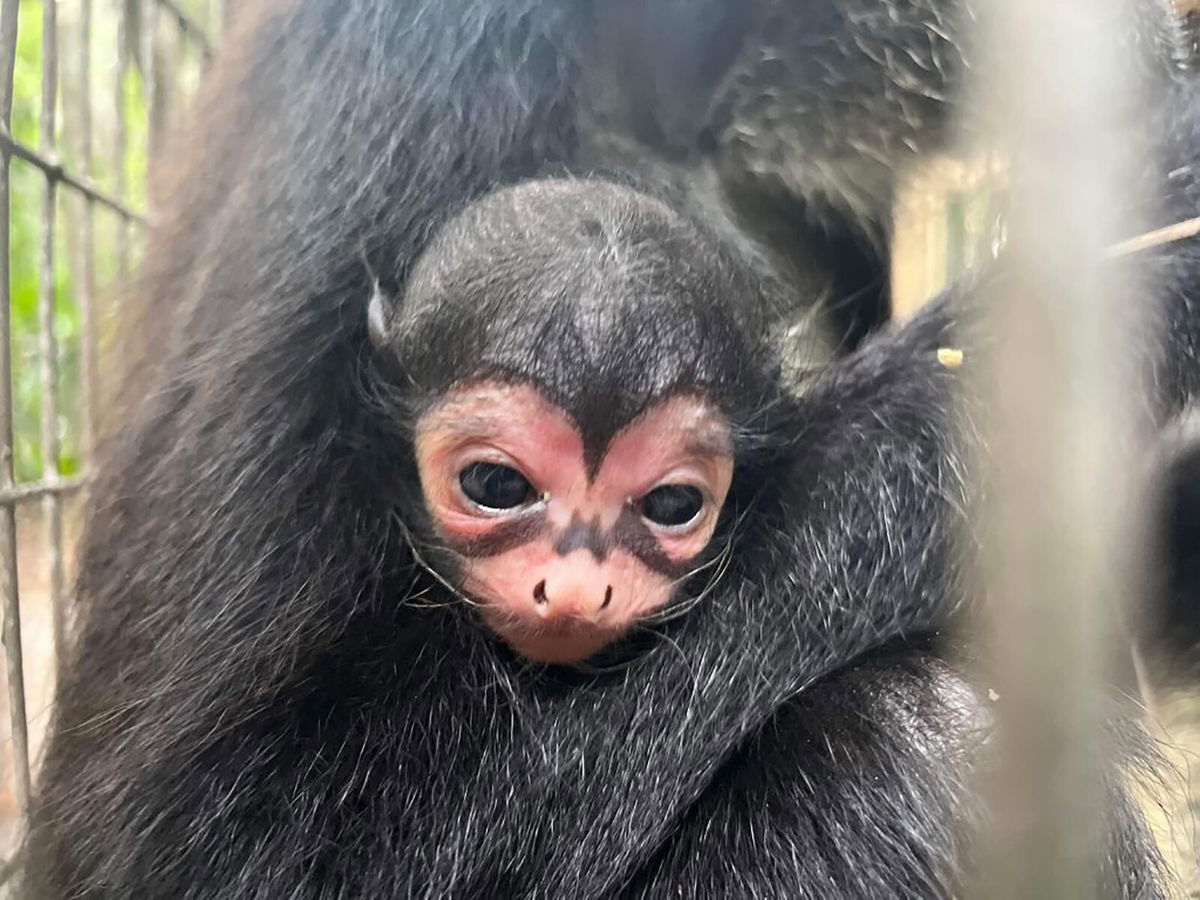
(85, 277)
(152, 79)
(121, 136)
(8, 526)
(47, 326)
(1061, 526)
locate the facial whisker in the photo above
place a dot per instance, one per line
(719, 557)
(420, 561)
(721, 561)
(679, 610)
(693, 572)
(416, 601)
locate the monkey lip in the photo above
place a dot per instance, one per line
(563, 642)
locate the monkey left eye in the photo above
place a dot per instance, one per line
(494, 486)
(672, 504)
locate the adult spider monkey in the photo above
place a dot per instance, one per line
(345, 508)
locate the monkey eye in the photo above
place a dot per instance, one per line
(672, 504)
(494, 486)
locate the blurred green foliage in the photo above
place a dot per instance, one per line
(112, 92)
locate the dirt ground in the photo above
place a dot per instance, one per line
(37, 641)
(1175, 810)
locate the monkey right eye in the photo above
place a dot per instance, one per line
(672, 505)
(495, 486)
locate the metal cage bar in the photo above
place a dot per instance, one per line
(85, 238)
(48, 329)
(152, 86)
(55, 171)
(13, 656)
(121, 139)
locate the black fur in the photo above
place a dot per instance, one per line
(269, 697)
(1174, 629)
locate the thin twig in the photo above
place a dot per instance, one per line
(1180, 231)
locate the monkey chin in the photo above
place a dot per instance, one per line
(573, 642)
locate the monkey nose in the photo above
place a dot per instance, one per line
(562, 600)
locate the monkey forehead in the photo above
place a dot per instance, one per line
(604, 297)
(483, 409)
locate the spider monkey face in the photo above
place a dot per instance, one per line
(565, 546)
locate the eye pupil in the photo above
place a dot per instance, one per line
(672, 504)
(494, 486)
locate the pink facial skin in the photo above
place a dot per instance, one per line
(577, 566)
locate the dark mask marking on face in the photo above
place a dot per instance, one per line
(632, 533)
(580, 535)
(602, 412)
(502, 537)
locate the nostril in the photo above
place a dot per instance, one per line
(539, 593)
(607, 597)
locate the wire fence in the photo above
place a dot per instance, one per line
(86, 91)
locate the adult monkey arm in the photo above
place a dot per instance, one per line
(863, 787)
(811, 783)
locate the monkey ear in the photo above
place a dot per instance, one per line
(379, 311)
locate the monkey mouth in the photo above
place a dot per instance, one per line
(561, 642)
